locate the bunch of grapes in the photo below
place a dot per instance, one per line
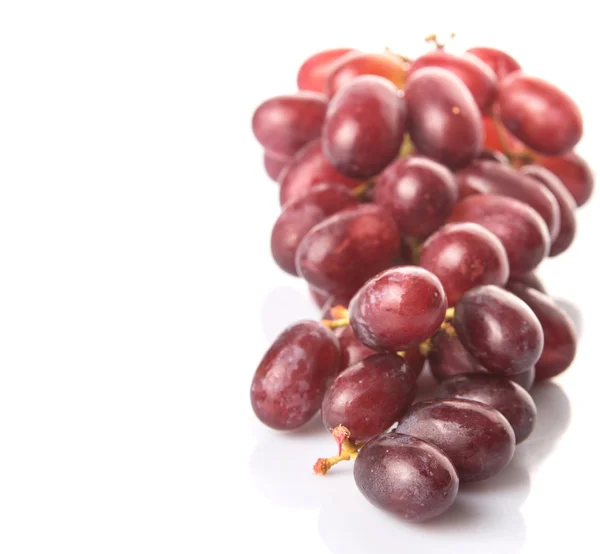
(417, 198)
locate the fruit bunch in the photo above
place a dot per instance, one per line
(417, 198)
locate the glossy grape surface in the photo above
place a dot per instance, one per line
(574, 173)
(494, 156)
(498, 329)
(301, 215)
(464, 255)
(528, 279)
(308, 168)
(406, 476)
(477, 438)
(519, 227)
(418, 192)
(370, 396)
(539, 114)
(560, 338)
(398, 309)
(274, 164)
(339, 254)
(364, 127)
(291, 380)
(284, 124)
(313, 73)
(444, 122)
(510, 399)
(501, 63)
(566, 206)
(478, 77)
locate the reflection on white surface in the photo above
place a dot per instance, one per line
(574, 313)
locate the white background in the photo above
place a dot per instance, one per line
(137, 292)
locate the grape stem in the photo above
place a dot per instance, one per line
(433, 39)
(361, 190)
(340, 318)
(347, 450)
(512, 156)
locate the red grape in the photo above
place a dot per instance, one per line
(291, 380)
(364, 127)
(494, 156)
(510, 399)
(418, 192)
(339, 254)
(309, 167)
(355, 64)
(498, 329)
(529, 280)
(301, 215)
(476, 437)
(476, 75)
(406, 476)
(566, 206)
(539, 114)
(284, 124)
(487, 177)
(464, 255)
(501, 63)
(370, 396)
(519, 227)
(560, 338)
(499, 139)
(274, 164)
(313, 73)
(574, 173)
(398, 309)
(443, 119)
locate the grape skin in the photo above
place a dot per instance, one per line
(274, 164)
(574, 173)
(314, 71)
(501, 63)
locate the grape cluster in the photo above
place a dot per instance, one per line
(417, 198)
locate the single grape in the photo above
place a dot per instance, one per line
(313, 73)
(501, 63)
(486, 177)
(339, 254)
(418, 192)
(510, 399)
(476, 75)
(574, 173)
(406, 476)
(566, 206)
(370, 396)
(364, 126)
(476, 437)
(529, 280)
(301, 215)
(398, 309)
(355, 64)
(284, 124)
(308, 168)
(519, 227)
(539, 114)
(498, 329)
(274, 164)
(464, 255)
(560, 337)
(494, 156)
(291, 380)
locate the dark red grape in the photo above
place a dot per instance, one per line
(414, 359)
(356, 64)
(486, 177)
(274, 164)
(464, 255)
(418, 192)
(529, 280)
(398, 309)
(364, 127)
(339, 254)
(539, 114)
(494, 156)
(519, 227)
(284, 124)
(477, 438)
(301, 215)
(443, 119)
(313, 73)
(510, 399)
(308, 168)
(560, 338)
(476, 75)
(406, 476)
(291, 380)
(566, 206)
(501, 63)
(370, 396)
(498, 329)
(574, 173)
